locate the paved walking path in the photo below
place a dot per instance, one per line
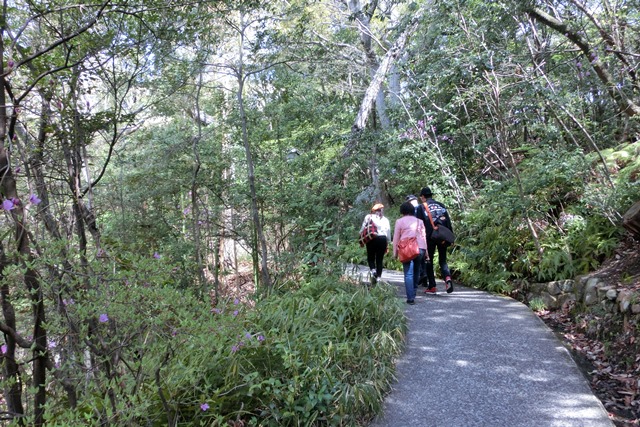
(474, 359)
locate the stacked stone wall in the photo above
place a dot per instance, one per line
(587, 290)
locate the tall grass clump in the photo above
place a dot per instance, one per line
(344, 343)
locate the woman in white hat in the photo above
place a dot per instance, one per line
(378, 246)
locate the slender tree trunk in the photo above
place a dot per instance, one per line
(195, 207)
(8, 190)
(261, 243)
(13, 392)
(501, 136)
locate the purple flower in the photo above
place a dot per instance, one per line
(234, 348)
(69, 301)
(34, 199)
(3, 349)
(248, 335)
(204, 406)
(8, 205)
(18, 169)
(156, 255)
(261, 338)
(236, 301)
(104, 318)
(235, 313)
(216, 310)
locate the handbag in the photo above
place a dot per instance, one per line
(440, 233)
(368, 233)
(443, 234)
(408, 249)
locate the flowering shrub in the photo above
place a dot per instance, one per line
(146, 352)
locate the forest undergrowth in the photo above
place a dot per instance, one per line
(606, 346)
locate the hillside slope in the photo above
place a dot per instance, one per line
(605, 345)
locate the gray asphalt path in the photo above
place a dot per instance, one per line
(477, 359)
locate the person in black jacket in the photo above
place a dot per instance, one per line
(439, 215)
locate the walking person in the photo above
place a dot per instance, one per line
(416, 207)
(434, 211)
(414, 202)
(378, 246)
(408, 226)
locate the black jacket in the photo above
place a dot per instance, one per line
(439, 214)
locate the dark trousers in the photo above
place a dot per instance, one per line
(442, 260)
(376, 249)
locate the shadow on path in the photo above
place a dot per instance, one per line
(478, 359)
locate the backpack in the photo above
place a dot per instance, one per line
(368, 232)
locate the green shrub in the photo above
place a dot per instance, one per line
(321, 354)
(575, 223)
(537, 304)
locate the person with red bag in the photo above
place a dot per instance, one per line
(408, 233)
(377, 246)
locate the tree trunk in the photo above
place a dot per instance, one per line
(376, 82)
(195, 209)
(631, 220)
(371, 93)
(261, 243)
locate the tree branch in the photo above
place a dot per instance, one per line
(626, 105)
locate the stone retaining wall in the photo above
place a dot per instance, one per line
(587, 290)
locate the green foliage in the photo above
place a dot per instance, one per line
(487, 112)
(537, 304)
(320, 354)
(347, 357)
(496, 241)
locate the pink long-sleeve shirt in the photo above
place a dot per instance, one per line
(408, 226)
